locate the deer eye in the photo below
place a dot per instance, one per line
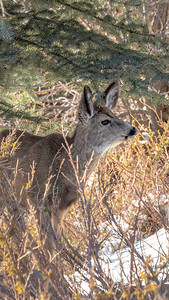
(105, 122)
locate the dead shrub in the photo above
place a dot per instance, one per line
(125, 201)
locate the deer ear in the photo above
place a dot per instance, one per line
(86, 108)
(111, 95)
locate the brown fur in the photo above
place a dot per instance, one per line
(50, 157)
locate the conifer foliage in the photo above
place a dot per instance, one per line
(79, 41)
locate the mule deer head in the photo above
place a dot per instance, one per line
(97, 130)
(102, 128)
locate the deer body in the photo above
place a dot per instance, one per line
(96, 132)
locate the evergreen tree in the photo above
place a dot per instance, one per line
(85, 42)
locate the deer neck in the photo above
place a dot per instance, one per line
(84, 157)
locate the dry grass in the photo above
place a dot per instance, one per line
(131, 187)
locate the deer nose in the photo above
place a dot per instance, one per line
(133, 131)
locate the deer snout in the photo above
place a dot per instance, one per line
(131, 134)
(133, 131)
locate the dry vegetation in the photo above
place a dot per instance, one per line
(125, 201)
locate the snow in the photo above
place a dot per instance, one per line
(151, 252)
(118, 264)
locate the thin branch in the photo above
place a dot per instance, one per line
(128, 243)
(2, 8)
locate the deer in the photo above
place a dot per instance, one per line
(97, 131)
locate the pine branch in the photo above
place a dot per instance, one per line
(104, 20)
(50, 52)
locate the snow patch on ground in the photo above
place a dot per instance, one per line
(117, 265)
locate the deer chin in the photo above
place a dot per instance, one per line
(129, 137)
(103, 149)
(109, 147)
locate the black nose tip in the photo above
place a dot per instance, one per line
(133, 131)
